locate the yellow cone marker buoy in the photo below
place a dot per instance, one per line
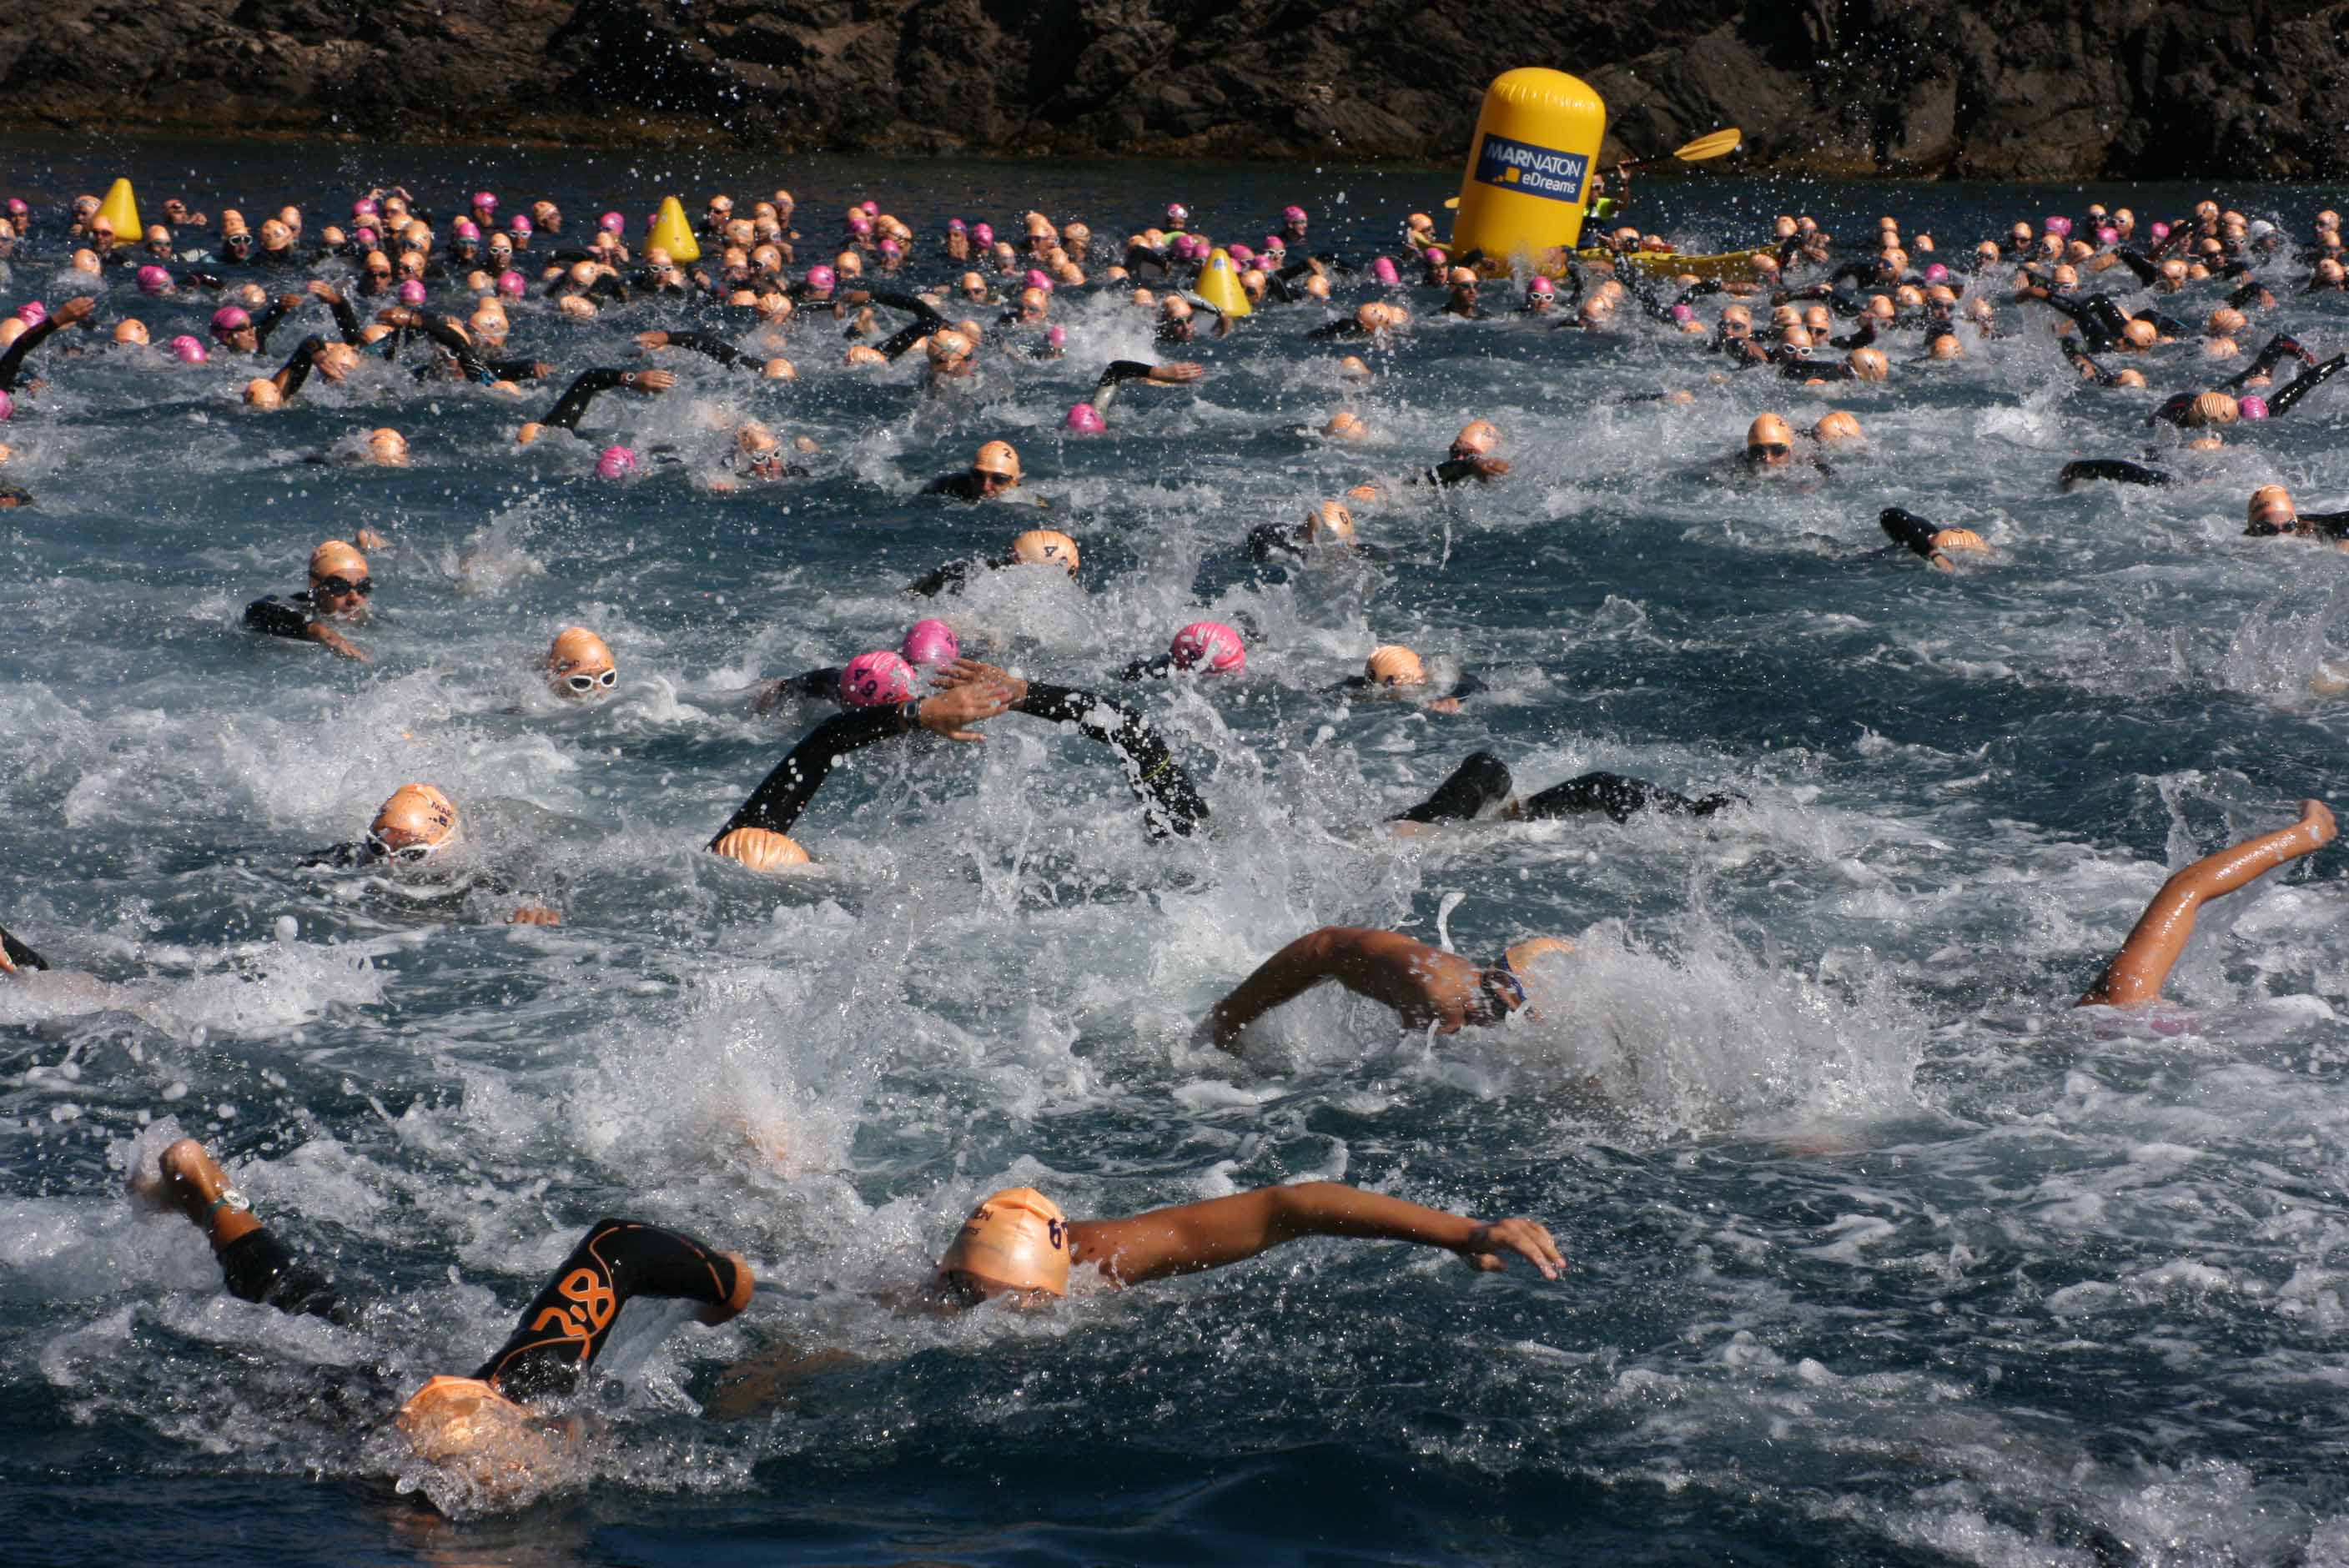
(672, 234)
(1220, 286)
(1528, 173)
(120, 208)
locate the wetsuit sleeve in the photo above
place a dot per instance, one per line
(785, 792)
(1170, 801)
(1467, 685)
(1148, 669)
(2307, 381)
(468, 359)
(711, 345)
(21, 956)
(1860, 339)
(571, 407)
(266, 321)
(927, 320)
(2175, 411)
(947, 579)
(1268, 541)
(512, 369)
(567, 1323)
(276, 617)
(961, 487)
(1906, 529)
(2332, 525)
(259, 1267)
(346, 321)
(1481, 781)
(2119, 470)
(1336, 329)
(823, 685)
(2078, 357)
(1452, 471)
(12, 363)
(296, 368)
(2136, 262)
(1617, 796)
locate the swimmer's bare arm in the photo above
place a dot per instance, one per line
(2161, 932)
(1196, 1236)
(333, 640)
(1385, 965)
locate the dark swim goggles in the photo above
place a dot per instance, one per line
(1503, 993)
(584, 683)
(337, 587)
(1768, 449)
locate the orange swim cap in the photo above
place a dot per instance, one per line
(578, 652)
(1346, 426)
(1768, 429)
(761, 849)
(2272, 505)
(466, 1424)
(1330, 523)
(1476, 438)
(1016, 1240)
(997, 458)
(416, 814)
(1392, 664)
(2213, 408)
(1042, 546)
(338, 558)
(1836, 425)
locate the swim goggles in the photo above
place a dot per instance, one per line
(339, 587)
(585, 683)
(407, 854)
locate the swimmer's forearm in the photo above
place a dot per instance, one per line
(1281, 978)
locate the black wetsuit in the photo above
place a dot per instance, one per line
(21, 956)
(571, 407)
(1268, 542)
(2119, 470)
(711, 345)
(1483, 781)
(1356, 685)
(290, 617)
(11, 362)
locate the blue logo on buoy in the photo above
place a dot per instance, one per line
(1531, 171)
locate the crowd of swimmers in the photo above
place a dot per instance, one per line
(2167, 307)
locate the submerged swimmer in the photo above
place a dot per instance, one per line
(1483, 781)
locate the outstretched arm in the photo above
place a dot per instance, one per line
(1196, 1236)
(2162, 931)
(1122, 371)
(785, 792)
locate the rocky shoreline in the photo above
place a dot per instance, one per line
(2006, 88)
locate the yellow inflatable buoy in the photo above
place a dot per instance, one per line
(1525, 191)
(121, 208)
(672, 234)
(1220, 286)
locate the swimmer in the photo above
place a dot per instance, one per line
(1327, 526)
(1425, 985)
(2273, 514)
(1124, 372)
(1209, 647)
(992, 472)
(12, 363)
(930, 644)
(1037, 547)
(482, 1427)
(415, 826)
(579, 666)
(1483, 781)
(340, 586)
(571, 407)
(1930, 541)
(16, 958)
(2138, 971)
(1395, 671)
(1171, 803)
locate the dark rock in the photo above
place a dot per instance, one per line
(2000, 88)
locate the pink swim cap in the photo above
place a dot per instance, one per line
(2108, 235)
(612, 223)
(1292, 214)
(1540, 286)
(1084, 419)
(2059, 224)
(1383, 269)
(154, 280)
(891, 248)
(411, 293)
(870, 208)
(512, 284)
(1275, 243)
(17, 207)
(615, 462)
(1436, 256)
(1037, 280)
(872, 680)
(1212, 644)
(189, 351)
(1179, 212)
(7, 406)
(466, 229)
(2252, 408)
(2161, 231)
(230, 318)
(931, 643)
(1057, 337)
(364, 207)
(860, 225)
(820, 277)
(1684, 313)
(32, 313)
(984, 234)
(520, 224)
(485, 201)
(1240, 255)
(364, 238)
(956, 226)
(1937, 273)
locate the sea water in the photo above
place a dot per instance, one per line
(1879, 1251)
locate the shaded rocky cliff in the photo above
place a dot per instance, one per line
(2005, 87)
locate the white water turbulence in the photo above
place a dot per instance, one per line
(1879, 1250)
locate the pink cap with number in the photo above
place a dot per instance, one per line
(872, 680)
(1211, 644)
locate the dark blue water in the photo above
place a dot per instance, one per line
(1880, 1253)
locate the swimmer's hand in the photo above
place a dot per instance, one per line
(965, 672)
(2317, 818)
(334, 642)
(76, 310)
(534, 914)
(1366, 493)
(745, 1282)
(1489, 468)
(368, 539)
(1177, 373)
(1489, 1244)
(289, 302)
(1444, 705)
(952, 712)
(652, 340)
(648, 381)
(399, 315)
(320, 289)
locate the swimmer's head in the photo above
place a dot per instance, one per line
(1836, 425)
(1014, 1244)
(1382, 268)
(339, 580)
(466, 1425)
(414, 824)
(2252, 405)
(862, 357)
(616, 463)
(1392, 664)
(153, 280)
(1769, 442)
(2212, 408)
(997, 467)
(930, 642)
(1328, 523)
(2272, 511)
(1870, 364)
(2220, 348)
(761, 849)
(2129, 376)
(1477, 438)
(876, 679)
(232, 324)
(388, 448)
(1345, 425)
(1046, 546)
(1353, 368)
(190, 350)
(262, 393)
(1084, 419)
(948, 348)
(1209, 645)
(1524, 965)
(579, 665)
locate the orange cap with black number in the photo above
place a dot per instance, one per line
(1016, 1240)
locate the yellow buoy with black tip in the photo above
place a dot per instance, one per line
(672, 234)
(1219, 285)
(1525, 191)
(120, 208)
